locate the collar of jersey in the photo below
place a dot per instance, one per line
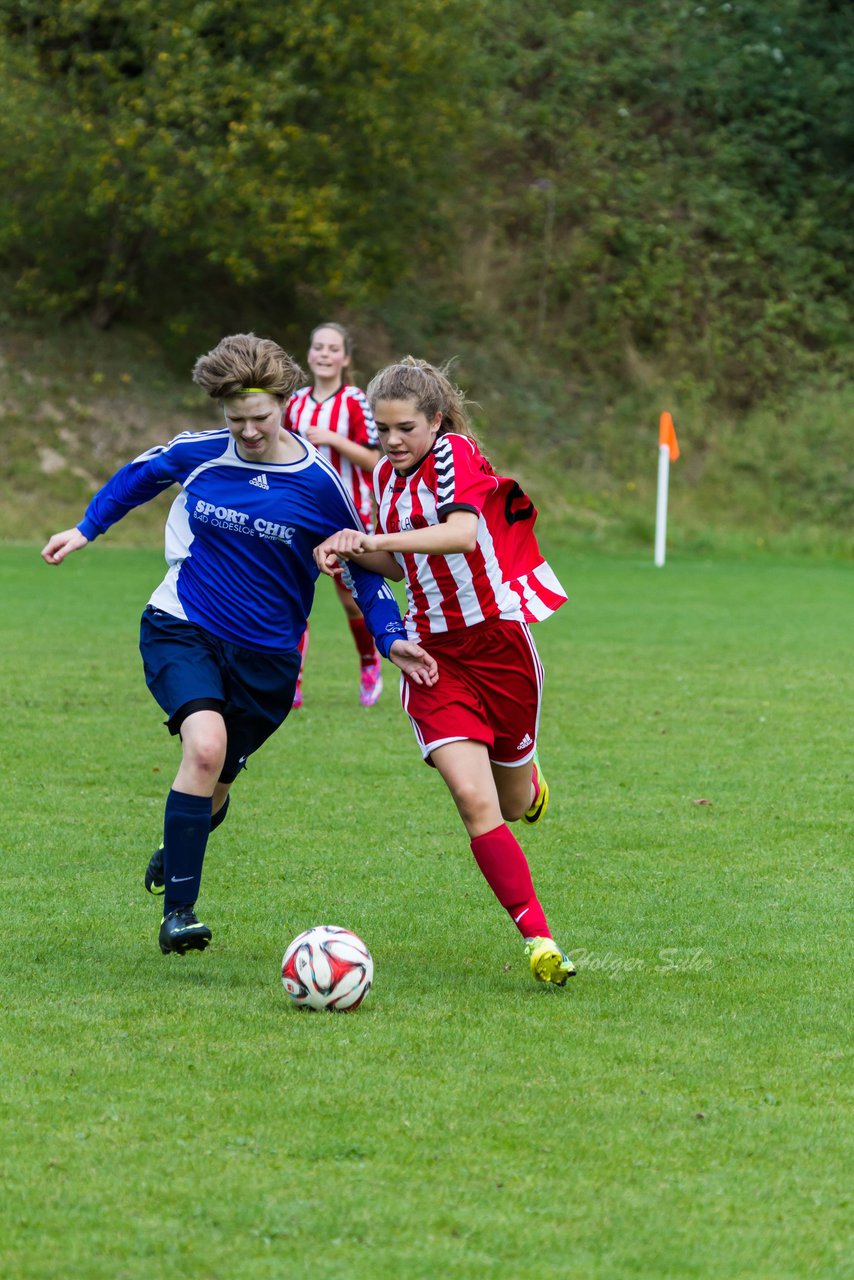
(326, 399)
(405, 475)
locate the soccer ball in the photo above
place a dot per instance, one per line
(327, 968)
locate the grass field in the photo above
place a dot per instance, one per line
(682, 1110)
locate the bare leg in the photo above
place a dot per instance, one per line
(203, 742)
(515, 789)
(220, 795)
(469, 777)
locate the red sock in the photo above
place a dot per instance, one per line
(505, 869)
(363, 640)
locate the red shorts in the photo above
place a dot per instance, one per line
(489, 690)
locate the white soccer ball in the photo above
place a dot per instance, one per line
(327, 968)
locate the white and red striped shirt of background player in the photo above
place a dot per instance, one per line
(347, 413)
(505, 576)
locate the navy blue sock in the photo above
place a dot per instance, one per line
(220, 815)
(186, 825)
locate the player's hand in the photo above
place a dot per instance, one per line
(320, 435)
(327, 561)
(415, 663)
(62, 544)
(346, 544)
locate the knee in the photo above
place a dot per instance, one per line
(473, 806)
(206, 754)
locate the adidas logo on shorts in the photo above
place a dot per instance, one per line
(527, 741)
(260, 481)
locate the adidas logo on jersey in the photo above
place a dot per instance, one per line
(260, 481)
(527, 741)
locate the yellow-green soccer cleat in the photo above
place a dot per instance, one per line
(154, 874)
(541, 800)
(548, 962)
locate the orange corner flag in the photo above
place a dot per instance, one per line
(667, 435)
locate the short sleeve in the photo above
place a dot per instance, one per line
(464, 478)
(363, 429)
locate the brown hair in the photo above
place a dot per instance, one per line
(339, 329)
(243, 361)
(430, 388)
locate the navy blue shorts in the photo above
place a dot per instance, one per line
(187, 669)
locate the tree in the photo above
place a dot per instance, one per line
(266, 145)
(681, 176)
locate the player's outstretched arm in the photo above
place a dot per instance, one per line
(345, 543)
(414, 662)
(350, 544)
(62, 544)
(457, 533)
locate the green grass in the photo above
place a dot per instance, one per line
(679, 1112)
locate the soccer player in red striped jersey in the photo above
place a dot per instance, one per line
(336, 418)
(462, 537)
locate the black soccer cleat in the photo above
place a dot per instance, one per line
(182, 931)
(154, 877)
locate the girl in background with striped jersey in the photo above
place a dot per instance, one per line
(463, 539)
(336, 418)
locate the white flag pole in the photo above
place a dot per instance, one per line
(661, 503)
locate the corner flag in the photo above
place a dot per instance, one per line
(667, 435)
(668, 451)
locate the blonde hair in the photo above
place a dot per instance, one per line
(242, 361)
(430, 388)
(340, 330)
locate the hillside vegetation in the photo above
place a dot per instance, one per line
(78, 403)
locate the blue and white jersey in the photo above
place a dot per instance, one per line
(239, 539)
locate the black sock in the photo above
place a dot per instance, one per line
(219, 817)
(186, 824)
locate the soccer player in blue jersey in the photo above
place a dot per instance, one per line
(219, 636)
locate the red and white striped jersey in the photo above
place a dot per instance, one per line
(505, 576)
(348, 413)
